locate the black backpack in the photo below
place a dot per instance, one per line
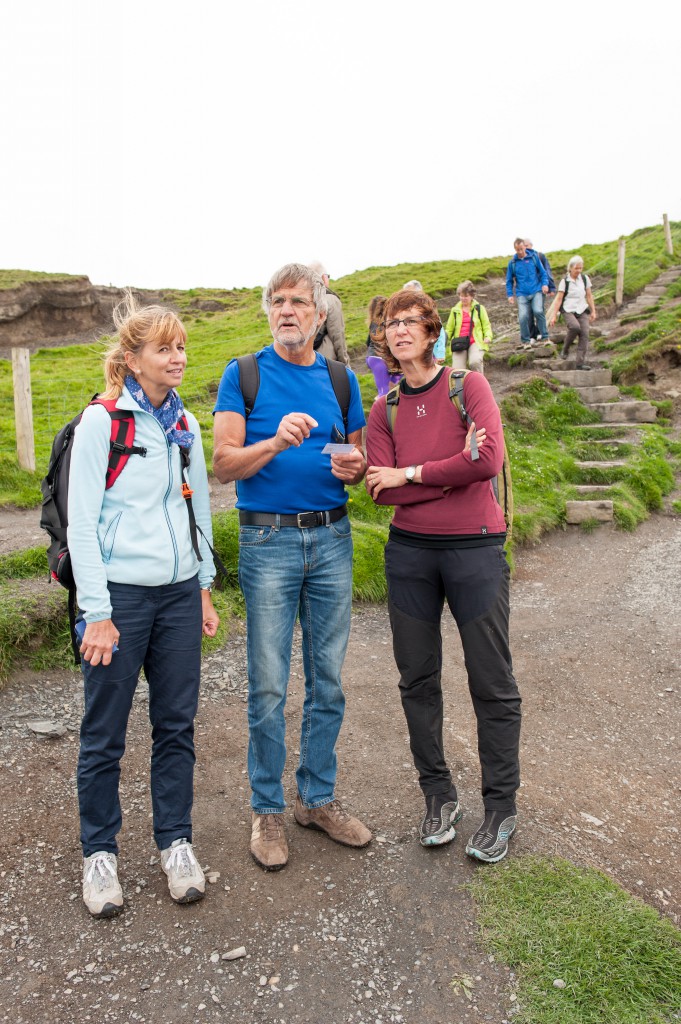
(249, 382)
(55, 488)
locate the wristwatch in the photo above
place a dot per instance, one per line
(410, 473)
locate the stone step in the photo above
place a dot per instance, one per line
(605, 464)
(625, 412)
(583, 378)
(605, 393)
(654, 289)
(581, 511)
(591, 488)
(615, 442)
(622, 430)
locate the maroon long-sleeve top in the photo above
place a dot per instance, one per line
(456, 497)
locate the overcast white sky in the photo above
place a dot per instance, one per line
(206, 143)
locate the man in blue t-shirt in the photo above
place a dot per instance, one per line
(526, 276)
(295, 556)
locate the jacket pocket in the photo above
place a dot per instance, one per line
(107, 544)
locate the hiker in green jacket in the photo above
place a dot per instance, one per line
(469, 330)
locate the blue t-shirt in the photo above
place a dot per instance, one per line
(298, 479)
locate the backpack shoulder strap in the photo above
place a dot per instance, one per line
(456, 384)
(341, 388)
(121, 445)
(391, 402)
(584, 281)
(249, 380)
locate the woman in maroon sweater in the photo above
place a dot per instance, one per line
(446, 542)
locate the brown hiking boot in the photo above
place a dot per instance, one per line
(332, 819)
(269, 848)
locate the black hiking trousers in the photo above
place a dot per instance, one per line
(475, 582)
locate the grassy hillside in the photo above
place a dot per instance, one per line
(224, 324)
(14, 278)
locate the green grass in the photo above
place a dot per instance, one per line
(549, 920)
(15, 278)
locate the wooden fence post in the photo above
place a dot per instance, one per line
(668, 234)
(23, 408)
(619, 288)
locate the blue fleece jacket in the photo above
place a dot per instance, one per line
(138, 530)
(527, 274)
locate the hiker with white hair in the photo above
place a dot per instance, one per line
(330, 340)
(574, 299)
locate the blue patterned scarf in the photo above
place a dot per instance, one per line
(167, 415)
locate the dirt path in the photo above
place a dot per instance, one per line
(379, 934)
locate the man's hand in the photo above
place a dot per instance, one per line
(293, 429)
(98, 640)
(349, 468)
(544, 289)
(511, 300)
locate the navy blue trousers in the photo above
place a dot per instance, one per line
(475, 583)
(160, 631)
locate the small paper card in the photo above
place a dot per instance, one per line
(337, 449)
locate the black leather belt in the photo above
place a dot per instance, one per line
(303, 520)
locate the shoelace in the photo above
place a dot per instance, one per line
(336, 811)
(101, 872)
(270, 827)
(432, 820)
(181, 859)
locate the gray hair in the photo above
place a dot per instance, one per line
(318, 268)
(412, 286)
(528, 243)
(574, 261)
(290, 275)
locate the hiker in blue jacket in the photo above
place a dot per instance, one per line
(527, 278)
(144, 597)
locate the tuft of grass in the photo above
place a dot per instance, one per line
(676, 507)
(22, 565)
(33, 629)
(549, 920)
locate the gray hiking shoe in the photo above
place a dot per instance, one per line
(102, 893)
(442, 813)
(186, 881)
(490, 842)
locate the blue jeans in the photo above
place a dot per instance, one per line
(536, 304)
(160, 630)
(285, 572)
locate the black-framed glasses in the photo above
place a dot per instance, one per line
(390, 326)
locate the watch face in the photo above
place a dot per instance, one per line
(410, 473)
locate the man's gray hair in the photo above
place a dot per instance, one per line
(318, 268)
(574, 261)
(528, 243)
(412, 286)
(290, 275)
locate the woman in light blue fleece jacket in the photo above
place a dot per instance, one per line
(144, 598)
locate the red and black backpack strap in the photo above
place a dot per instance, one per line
(121, 445)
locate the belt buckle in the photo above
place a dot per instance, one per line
(314, 521)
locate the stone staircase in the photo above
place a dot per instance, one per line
(651, 294)
(613, 411)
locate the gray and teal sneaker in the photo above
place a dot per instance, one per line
(442, 813)
(490, 842)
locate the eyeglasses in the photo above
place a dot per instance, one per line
(390, 326)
